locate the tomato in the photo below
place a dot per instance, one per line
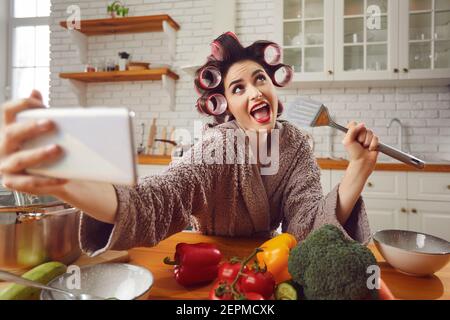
(258, 282)
(253, 296)
(228, 271)
(221, 286)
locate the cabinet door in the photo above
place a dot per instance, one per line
(380, 184)
(325, 180)
(431, 217)
(386, 214)
(429, 186)
(424, 39)
(305, 31)
(149, 169)
(366, 39)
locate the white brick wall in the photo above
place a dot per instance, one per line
(425, 111)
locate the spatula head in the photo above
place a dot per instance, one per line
(305, 112)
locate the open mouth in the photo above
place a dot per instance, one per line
(261, 112)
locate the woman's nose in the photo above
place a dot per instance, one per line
(254, 93)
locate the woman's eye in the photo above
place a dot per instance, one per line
(237, 89)
(261, 78)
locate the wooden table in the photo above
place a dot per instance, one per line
(165, 287)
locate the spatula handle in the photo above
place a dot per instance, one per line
(391, 151)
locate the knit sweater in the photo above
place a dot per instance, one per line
(229, 199)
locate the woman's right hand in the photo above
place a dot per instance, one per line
(14, 161)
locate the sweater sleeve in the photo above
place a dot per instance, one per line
(306, 208)
(157, 207)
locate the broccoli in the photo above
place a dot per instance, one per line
(331, 267)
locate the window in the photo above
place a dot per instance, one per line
(30, 48)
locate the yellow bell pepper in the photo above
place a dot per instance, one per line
(275, 256)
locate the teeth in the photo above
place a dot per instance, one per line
(260, 106)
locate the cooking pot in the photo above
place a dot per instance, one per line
(36, 229)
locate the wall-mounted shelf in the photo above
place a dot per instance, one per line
(78, 79)
(115, 76)
(98, 27)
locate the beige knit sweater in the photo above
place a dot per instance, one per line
(224, 199)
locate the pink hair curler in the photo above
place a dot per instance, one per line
(209, 77)
(282, 76)
(216, 104)
(216, 47)
(216, 50)
(232, 34)
(272, 54)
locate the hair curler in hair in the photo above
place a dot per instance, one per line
(272, 54)
(232, 34)
(282, 76)
(216, 50)
(216, 104)
(209, 78)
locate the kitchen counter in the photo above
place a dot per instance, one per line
(326, 163)
(165, 286)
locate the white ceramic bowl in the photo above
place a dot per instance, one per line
(412, 253)
(109, 280)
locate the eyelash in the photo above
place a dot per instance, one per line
(258, 77)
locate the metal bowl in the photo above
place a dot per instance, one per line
(34, 230)
(413, 253)
(108, 280)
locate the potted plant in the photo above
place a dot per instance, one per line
(117, 9)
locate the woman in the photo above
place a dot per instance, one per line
(237, 87)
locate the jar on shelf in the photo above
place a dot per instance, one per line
(123, 60)
(89, 67)
(111, 65)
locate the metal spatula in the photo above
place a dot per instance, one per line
(305, 112)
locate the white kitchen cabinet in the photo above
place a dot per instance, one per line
(380, 184)
(418, 201)
(386, 214)
(306, 31)
(424, 42)
(325, 180)
(150, 169)
(431, 217)
(365, 40)
(429, 186)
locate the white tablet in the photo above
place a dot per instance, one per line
(98, 144)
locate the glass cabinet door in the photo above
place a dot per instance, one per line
(426, 49)
(306, 43)
(365, 39)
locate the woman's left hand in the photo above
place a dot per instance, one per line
(361, 144)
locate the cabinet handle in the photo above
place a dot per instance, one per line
(413, 210)
(370, 184)
(396, 70)
(405, 70)
(330, 72)
(403, 210)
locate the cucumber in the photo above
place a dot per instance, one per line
(43, 273)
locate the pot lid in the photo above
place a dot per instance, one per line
(14, 199)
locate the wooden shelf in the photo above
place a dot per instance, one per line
(115, 76)
(108, 26)
(154, 159)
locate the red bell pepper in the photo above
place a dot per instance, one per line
(196, 263)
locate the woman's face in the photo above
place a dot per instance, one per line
(251, 96)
